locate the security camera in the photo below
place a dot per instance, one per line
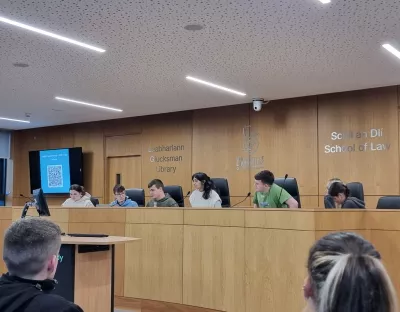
(257, 104)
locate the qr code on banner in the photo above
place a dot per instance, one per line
(54, 176)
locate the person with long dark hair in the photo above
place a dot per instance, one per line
(345, 274)
(204, 194)
(341, 196)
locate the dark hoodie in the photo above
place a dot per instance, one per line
(350, 202)
(167, 201)
(353, 202)
(22, 295)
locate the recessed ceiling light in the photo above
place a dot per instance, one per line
(22, 65)
(193, 27)
(325, 1)
(88, 104)
(391, 49)
(50, 34)
(215, 86)
(16, 120)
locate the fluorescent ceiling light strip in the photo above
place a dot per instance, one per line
(47, 33)
(215, 86)
(391, 49)
(88, 104)
(325, 1)
(17, 120)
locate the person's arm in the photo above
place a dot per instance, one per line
(172, 203)
(134, 204)
(292, 203)
(255, 201)
(329, 203)
(72, 308)
(218, 204)
(285, 198)
(89, 204)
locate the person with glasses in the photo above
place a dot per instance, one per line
(121, 200)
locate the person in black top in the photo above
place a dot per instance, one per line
(30, 252)
(341, 195)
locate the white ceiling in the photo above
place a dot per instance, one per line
(272, 49)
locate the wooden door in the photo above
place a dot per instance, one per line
(125, 169)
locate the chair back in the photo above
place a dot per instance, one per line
(356, 190)
(290, 185)
(388, 202)
(176, 192)
(137, 195)
(222, 188)
(95, 201)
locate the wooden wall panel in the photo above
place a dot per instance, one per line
(123, 145)
(287, 134)
(115, 229)
(90, 138)
(161, 132)
(160, 250)
(387, 244)
(214, 276)
(271, 256)
(230, 142)
(219, 144)
(360, 111)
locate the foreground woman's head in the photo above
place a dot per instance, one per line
(345, 274)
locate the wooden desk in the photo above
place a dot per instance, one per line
(225, 259)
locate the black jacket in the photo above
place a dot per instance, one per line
(21, 295)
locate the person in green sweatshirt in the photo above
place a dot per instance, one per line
(158, 197)
(270, 195)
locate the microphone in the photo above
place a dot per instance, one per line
(183, 199)
(30, 198)
(283, 184)
(248, 194)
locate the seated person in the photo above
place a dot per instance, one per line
(204, 194)
(328, 200)
(340, 194)
(345, 274)
(31, 247)
(270, 195)
(121, 199)
(158, 197)
(78, 197)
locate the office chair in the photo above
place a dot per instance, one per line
(137, 195)
(175, 191)
(95, 201)
(222, 188)
(356, 190)
(388, 202)
(290, 186)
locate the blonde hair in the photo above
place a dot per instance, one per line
(346, 275)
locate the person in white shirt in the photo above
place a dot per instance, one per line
(78, 197)
(204, 194)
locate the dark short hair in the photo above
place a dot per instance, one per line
(265, 176)
(337, 188)
(158, 183)
(118, 188)
(78, 188)
(28, 244)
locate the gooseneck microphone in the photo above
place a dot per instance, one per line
(30, 198)
(248, 195)
(283, 185)
(183, 199)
